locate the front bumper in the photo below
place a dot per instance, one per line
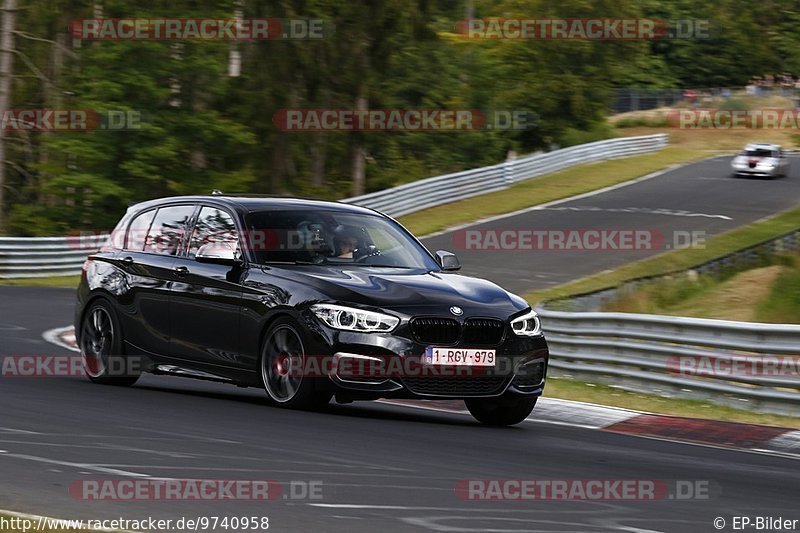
(756, 172)
(520, 366)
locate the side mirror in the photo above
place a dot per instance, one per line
(220, 253)
(447, 260)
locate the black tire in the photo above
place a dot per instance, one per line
(101, 338)
(502, 411)
(282, 343)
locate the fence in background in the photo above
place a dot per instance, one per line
(427, 193)
(30, 257)
(685, 356)
(39, 257)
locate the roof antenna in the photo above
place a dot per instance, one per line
(216, 192)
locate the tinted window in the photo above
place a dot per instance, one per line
(137, 231)
(327, 237)
(213, 226)
(758, 152)
(167, 229)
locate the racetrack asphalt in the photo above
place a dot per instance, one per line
(383, 467)
(698, 197)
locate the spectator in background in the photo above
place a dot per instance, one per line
(786, 83)
(691, 96)
(769, 82)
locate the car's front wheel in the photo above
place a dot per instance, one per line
(282, 369)
(502, 411)
(101, 347)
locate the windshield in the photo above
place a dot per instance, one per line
(333, 238)
(759, 152)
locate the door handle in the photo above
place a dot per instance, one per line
(180, 270)
(127, 261)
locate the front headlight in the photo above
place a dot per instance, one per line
(527, 325)
(351, 319)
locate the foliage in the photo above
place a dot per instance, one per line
(202, 128)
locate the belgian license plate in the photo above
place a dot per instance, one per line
(459, 356)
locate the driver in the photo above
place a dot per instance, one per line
(345, 245)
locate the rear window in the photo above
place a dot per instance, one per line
(137, 231)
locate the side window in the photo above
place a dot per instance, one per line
(213, 226)
(167, 229)
(137, 231)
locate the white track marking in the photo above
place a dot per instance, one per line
(388, 507)
(433, 523)
(558, 412)
(18, 431)
(585, 415)
(582, 415)
(182, 435)
(84, 466)
(558, 202)
(55, 335)
(786, 443)
(637, 210)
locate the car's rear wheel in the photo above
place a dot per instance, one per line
(282, 369)
(502, 411)
(101, 347)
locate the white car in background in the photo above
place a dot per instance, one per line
(761, 160)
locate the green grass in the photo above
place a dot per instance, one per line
(60, 281)
(576, 180)
(765, 290)
(569, 389)
(676, 260)
(783, 302)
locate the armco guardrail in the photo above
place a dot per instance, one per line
(37, 257)
(686, 355)
(431, 192)
(29, 257)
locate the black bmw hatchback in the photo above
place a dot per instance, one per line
(307, 299)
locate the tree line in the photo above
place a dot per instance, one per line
(201, 114)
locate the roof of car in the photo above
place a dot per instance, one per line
(245, 204)
(762, 146)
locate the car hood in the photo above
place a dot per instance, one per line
(401, 289)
